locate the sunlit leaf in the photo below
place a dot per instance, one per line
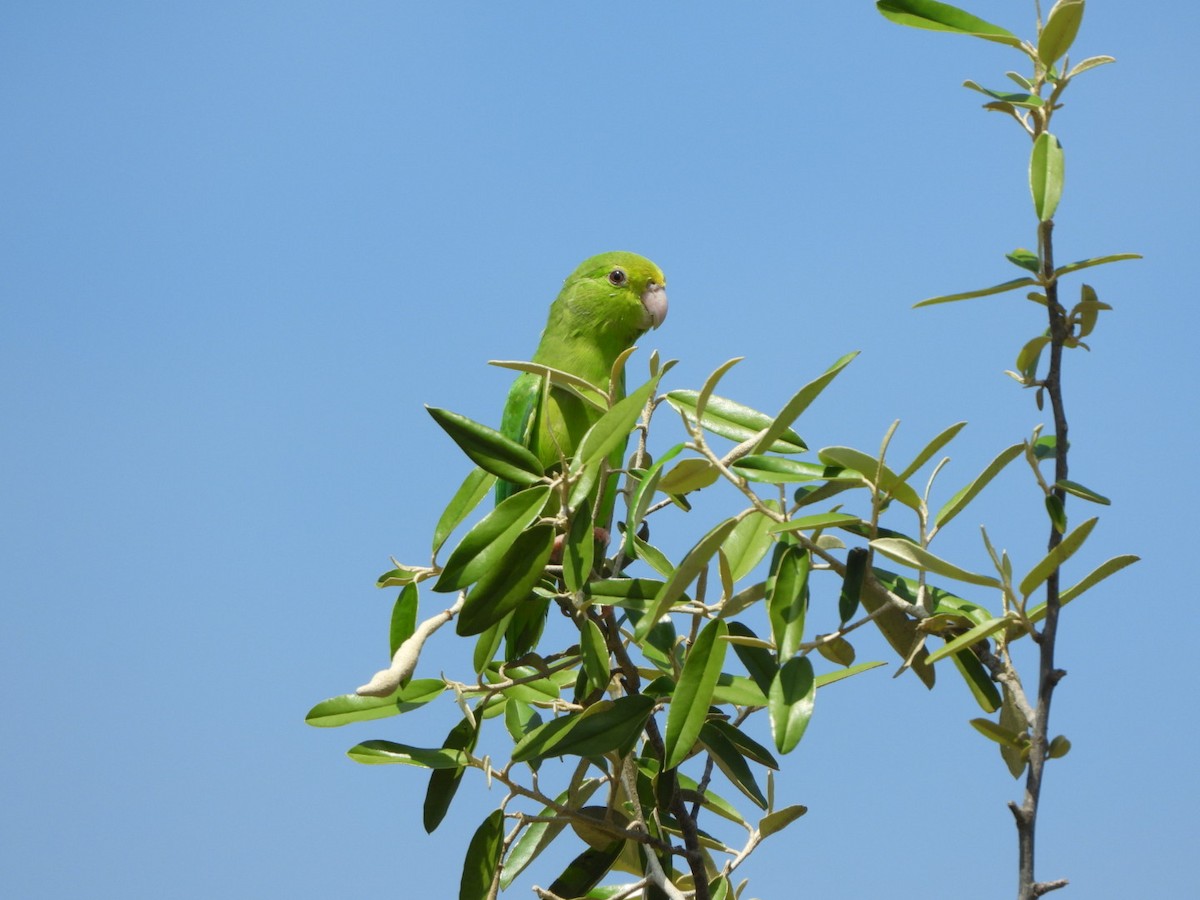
(1095, 261)
(1046, 175)
(643, 495)
(612, 429)
(930, 449)
(539, 835)
(731, 763)
(580, 387)
(972, 636)
(685, 573)
(747, 544)
(936, 16)
(978, 680)
(787, 597)
(443, 783)
(790, 702)
(813, 522)
(508, 582)
(842, 674)
(780, 427)
(595, 655)
(404, 618)
(982, 292)
(693, 693)
(490, 538)
(349, 708)
(959, 501)
(383, 752)
(689, 475)
(919, 558)
(1078, 490)
(780, 819)
(603, 727)
(489, 449)
(474, 488)
(869, 466)
(1056, 557)
(1010, 98)
(732, 420)
(483, 858)
(1090, 63)
(1058, 33)
(579, 549)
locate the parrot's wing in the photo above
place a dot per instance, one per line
(519, 419)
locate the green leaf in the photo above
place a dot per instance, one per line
(983, 689)
(799, 402)
(982, 292)
(870, 468)
(585, 871)
(1045, 447)
(595, 655)
(693, 693)
(898, 629)
(1013, 720)
(935, 16)
(473, 489)
(811, 523)
(972, 636)
(349, 708)
(612, 429)
(483, 858)
(1090, 63)
(1024, 100)
(747, 544)
(1059, 747)
(579, 549)
(1046, 175)
(738, 691)
(837, 650)
(842, 674)
(992, 731)
(1026, 259)
(490, 538)
(383, 752)
(1057, 513)
(443, 783)
(733, 420)
(652, 556)
(489, 449)
(780, 470)
(930, 449)
(603, 727)
(959, 501)
(1057, 35)
(1056, 557)
(780, 819)
(1094, 261)
(731, 763)
(643, 495)
(539, 835)
(630, 592)
(787, 597)
(399, 577)
(919, 558)
(687, 572)
(746, 746)
(757, 660)
(711, 384)
(1031, 353)
(689, 475)
(1097, 575)
(790, 702)
(502, 588)
(1083, 493)
(856, 568)
(404, 618)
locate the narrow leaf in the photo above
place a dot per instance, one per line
(811, 523)
(787, 598)
(509, 582)
(1056, 557)
(404, 618)
(790, 702)
(382, 752)
(612, 429)
(731, 763)
(983, 292)
(919, 558)
(595, 655)
(443, 783)
(936, 16)
(488, 448)
(687, 572)
(473, 489)
(959, 501)
(483, 858)
(1094, 261)
(1078, 490)
(689, 475)
(974, 635)
(856, 569)
(693, 693)
(489, 539)
(799, 403)
(1046, 175)
(747, 544)
(780, 819)
(930, 449)
(347, 708)
(732, 420)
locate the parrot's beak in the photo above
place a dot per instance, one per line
(655, 302)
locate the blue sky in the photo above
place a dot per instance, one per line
(245, 242)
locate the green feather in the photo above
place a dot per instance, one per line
(604, 306)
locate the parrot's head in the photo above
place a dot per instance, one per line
(616, 297)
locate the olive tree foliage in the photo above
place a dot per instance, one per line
(615, 721)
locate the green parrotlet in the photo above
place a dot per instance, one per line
(604, 306)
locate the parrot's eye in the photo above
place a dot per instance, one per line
(617, 277)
